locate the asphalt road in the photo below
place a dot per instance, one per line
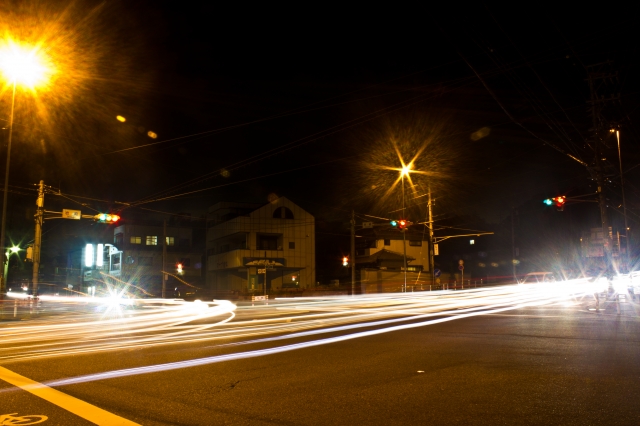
(535, 366)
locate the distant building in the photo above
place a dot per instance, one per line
(140, 258)
(247, 243)
(380, 259)
(593, 243)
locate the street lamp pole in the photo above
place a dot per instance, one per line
(404, 237)
(5, 259)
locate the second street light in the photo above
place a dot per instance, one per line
(25, 67)
(404, 172)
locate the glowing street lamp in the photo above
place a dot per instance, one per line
(27, 67)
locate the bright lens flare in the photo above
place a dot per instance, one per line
(24, 65)
(405, 170)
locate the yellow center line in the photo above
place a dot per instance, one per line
(74, 405)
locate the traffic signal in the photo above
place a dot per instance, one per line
(179, 268)
(106, 218)
(400, 224)
(558, 201)
(345, 261)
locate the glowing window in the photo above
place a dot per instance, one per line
(88, 256)
(136, 240)
(100, 255)
(171, 241)
(152, 240)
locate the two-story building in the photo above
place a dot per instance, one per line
(380, 257)
(250, 244)
(140, 259)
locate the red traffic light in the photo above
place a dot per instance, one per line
(402, 223)
(106, 218)
(345, 261)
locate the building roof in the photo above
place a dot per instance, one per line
(383, 254)
(389, 233)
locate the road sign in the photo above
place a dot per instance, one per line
(367, 224)
(436, 250)
(437, 272)
(460, 262)
(262, 271)
(258, 298)
(71, 214)
(461, 267)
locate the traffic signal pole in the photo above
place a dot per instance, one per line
(37, 242)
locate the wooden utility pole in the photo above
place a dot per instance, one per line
(432, 266)
(598, 77)
(164, 258)
(37, 242)
(353, 253)
(513, 247)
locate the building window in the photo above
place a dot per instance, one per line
(387, 242)
(145, 261)
(186, 261)
(136, 240)
(292, 245)
(267, 242)
(282, 213)
(184, 242)
(118, 239)
(170, 241)
(152, 240)
(415, 243)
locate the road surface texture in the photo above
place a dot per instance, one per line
(545, 365)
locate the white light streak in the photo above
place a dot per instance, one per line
(143, 323)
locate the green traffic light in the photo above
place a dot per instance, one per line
(394, 223)
(548, 201)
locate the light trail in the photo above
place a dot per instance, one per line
(502, 299)
(143, 323)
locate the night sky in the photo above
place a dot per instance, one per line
(311, 102)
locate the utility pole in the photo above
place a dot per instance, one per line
(164, 258)
(37, 242)
(353, 253)
(513, 247)
(596, 102)
(624, 207)
(432, 266)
